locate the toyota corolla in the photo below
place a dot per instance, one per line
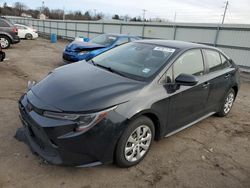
(113, 107)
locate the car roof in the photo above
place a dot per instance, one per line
(21, 25)
(120, 35)
(175, 44)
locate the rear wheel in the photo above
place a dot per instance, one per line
(135, 142)
(28, 36)
(4, 42)
(228, 103)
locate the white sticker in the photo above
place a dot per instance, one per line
(146, 70)
(112, 38)
(164, 49)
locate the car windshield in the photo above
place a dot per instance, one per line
(138, 61)
(104, 40)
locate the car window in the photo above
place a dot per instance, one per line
(132, 39)
(213, 59)
(104, 39)
(225, 61)
(20, 27)
(122, 40)
(191, 62)
(4, 24)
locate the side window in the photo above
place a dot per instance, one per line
(20, 27)
(133, 39)
(4, 24)
(122, 41)
(191, 62)
(225, 61)
(213, 60)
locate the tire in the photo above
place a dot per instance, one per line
(227, 103)
(4, 42)
(28, 36)
(133, 144)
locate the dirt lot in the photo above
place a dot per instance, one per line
(213, 153)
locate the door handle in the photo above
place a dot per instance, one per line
(227, 76)
(205, 85)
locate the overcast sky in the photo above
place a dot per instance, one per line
(186, 10)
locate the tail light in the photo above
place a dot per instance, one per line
(15, 30)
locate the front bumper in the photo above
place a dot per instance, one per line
(70, 57)
(35, 35)
(48, 138)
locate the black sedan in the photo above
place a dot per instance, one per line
(111, 108)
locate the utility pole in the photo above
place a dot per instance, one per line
(63, 13)
(225, 11)
(143, 14)
(175, 17)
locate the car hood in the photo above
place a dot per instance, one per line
(81, 87)
(80, 46)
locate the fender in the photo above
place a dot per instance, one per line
(7, 34)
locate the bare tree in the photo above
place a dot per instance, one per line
(19, 8)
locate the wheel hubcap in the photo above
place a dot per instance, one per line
(229, 102)
(4, 42)
(138, 143)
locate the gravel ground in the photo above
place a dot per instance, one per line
(212, 153)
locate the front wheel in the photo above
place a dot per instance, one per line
(228, 103)
(135, 142)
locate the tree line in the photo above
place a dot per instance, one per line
(19, 9)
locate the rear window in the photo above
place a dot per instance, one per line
(225, 62)
(213, 59)
(3, 23)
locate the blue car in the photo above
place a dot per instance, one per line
(76, 51)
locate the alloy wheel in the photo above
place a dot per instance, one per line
(4, 42)
(229, 102)
(138, 143)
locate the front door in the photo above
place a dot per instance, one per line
(187, 104)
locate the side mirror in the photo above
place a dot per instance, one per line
(186, 80)
(86, 40)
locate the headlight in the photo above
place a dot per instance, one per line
(82, 52)
(84, 121)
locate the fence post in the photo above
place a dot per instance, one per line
(50, 27)
(102, 27)
(143, 29)
(75, 29)
(66, 30)
(121, 28)
(43, 29)
(175, 30)
(88, 30)
(216, 36)
(57, 32)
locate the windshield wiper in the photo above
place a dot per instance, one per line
(112, 70)
(93, 62)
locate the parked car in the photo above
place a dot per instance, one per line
(26, 32)
(77, 51)
(112, 107)
(8, 33)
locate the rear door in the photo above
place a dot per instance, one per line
(220, 75)
(187, 104)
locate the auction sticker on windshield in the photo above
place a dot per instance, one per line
(164, 49)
